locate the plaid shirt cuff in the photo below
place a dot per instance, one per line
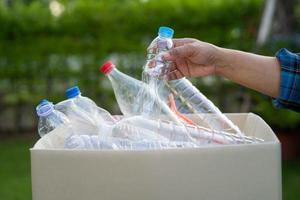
(290, 80)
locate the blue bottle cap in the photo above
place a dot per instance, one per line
(44, 108)
(43, 101)
(73, 92)
(165, 31)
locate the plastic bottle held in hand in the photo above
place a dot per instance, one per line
(188, 98)
(155, 66)
(49, 118)
(88, 105)
(127, 91)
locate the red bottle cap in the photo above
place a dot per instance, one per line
(107, 67)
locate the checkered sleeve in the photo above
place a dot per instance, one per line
(290, 80)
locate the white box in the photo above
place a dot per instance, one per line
(232, 172)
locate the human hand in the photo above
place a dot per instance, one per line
(192, 58)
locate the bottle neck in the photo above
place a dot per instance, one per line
(164, 43)
(45, 110)
(164, 36)
(117, 76)
(75, 97)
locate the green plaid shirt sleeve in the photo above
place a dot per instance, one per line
(290, 80)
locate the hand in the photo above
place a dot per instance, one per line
(191, 58)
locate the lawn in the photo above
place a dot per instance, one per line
(15, 180)
(15, 172)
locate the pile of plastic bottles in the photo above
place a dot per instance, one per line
(157, 113)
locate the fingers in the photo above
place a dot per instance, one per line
(179, 52)
(182, 41)
(174, 72)
(176, 43)
(151, 63)
(173, 75)
(168, 57)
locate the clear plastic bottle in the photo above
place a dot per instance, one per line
(129, 131)
(49, 118)
(195, 102)
(128, 90)
(82, 122)
(188, 133)
(187, 97)
(92, 142)
(119, 132)
(133, 134)
(86, 142)
(88, 105)
(162, 43)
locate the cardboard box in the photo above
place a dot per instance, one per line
(232, 172)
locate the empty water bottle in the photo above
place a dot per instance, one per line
(92, 142)
(88, 105)
(82, 122)
(129, 131)
(49, 118)
(127, 91)
(162, 43)
(193, 101)
(122, 133)
(188, 133)
(88, 142)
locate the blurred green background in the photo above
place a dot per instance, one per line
(47, 46)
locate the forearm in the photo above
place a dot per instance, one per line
(260, 73)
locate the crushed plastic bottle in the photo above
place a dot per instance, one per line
(82, 122)
(195, 102)
(162, 43)
(87, 142)
(127, 90)
(91, 142)
(188, 133)
(49, 118)
(129, 131)
(187, 97)
(88, 105)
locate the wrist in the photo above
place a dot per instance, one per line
(222, 63)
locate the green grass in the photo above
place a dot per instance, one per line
(291, 180)
(15, 172)
(15, 180)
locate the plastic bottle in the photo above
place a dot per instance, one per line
(92, 142)
(195, 102)
(127, 91)
(162, 43)
(138, 133)
(87, 142)
(49, 118)
(187, 133)
(126, 130)
(187, 97)
(88, 105)
(82, 122)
